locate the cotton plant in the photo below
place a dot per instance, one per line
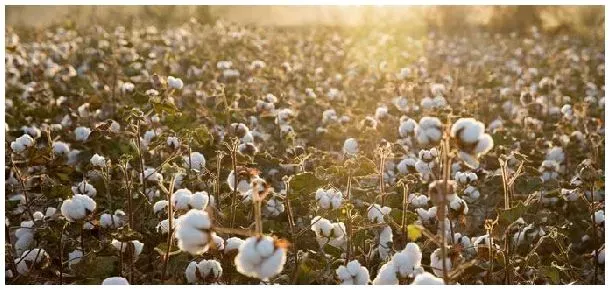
(471, 140)
(204, 270)
(426, 163)
(260, 257)
(405, 264)
(353, 274)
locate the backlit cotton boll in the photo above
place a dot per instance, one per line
(386, 239)
(134, 247)
(260, 257)
(407, 127)
(350, 146)
(193, 232)
(181, 199)
(404, 264)
(200, 200)
(203, 271)
(98, 160)
(428, 132)
(472, 140)
(82, 133)
(115, 281)
(353, 274)
(196, 161)
(160, 205)
(78, 207)
(376, 213)
(232, 244)
(31, 259)
(330, 198)
(329, 233)
(21, 143)
(174, 83)
(426, 278)
(243, 185)
(436, 262)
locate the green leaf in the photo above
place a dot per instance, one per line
(305, 183)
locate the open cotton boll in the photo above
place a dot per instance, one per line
(569, 194)
(219, 242)
(74, 257)
(115, 281)
(350, 146)
(556, 153)
(330, 198)
(151, 174)
(426, 278)
(25, 236)
(436, 262)
(321, 226)
(204, 270)
(407, 127)
(124, 247)
(174, 83)
(260, 257)
(181, 199)
(61, 148)
(329, 116)
(160, 205)
(20, 198)
(408, 261)
(243, 185)
(38, 216)
(82, 133)
(376, 213)
(471, 193)
(98, 160)
(232, 243)
(114, 221)
(599, 216)
(199, 200)
(78, 207)
(385, 242)
(31, 259)
(353, 274)
(193, 232)
(197, 161)
(428, 131)
(381, 113)
(405, 164)
(163, 226)
(424, 168)
(274, 207)
(86, 188)
(22, 143)
(601, 257)
(386, 275)
(468, 130)
(418, 200)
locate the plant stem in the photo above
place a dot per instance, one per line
(170, 233)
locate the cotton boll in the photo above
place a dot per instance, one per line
(407, 127)
(404, 165)
(38, 216)
(353, 274)
(61, 148)
(329, 116)
(115, 281)
(436, 262)
(259, 257)
(86, 188)
(199, 200)
(329, 199)
(73, 157)
(274, 207)
(98, 160)
(191, 272)
(381, 113)
(426, 278)
(418, 200)
(160, 205)
(197, 161)
(569, 194)
(163, 226)
(350, 146)
(173, 142)
(31, 259)
(219, 243)
(429, 131)
(467, 129)
(556, 153)
(376, 213)
(151, 174)
(22, 143)
(174, 83)
(232, 244)
(193, 232)
(78, 207)
(181, 199)
(135, 245)
(599, 217)
(82, 133)
(386, 275)
(471, 194)
(243, 185)
(25, 236)
(20, 205)
(74, 257)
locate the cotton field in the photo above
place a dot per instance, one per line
(223, 153)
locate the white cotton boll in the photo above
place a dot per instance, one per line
(329, 116)
(258, 257)
(428, 131)
(151, 174)
(124, 247)
(73, 157)
(82, 133)
(61, 148)
(601, 257)
(193, 232)
(401, 103)
(174, 83)
(404, 165)
(38, 216)
(115, 281)
(408, 261)
(197, 161)
(484, 145)
(426, 215)
(599, 216)
(330, 198)
(74, 257)
(181, 199)
(30, 258)
(86, 188)
(20, 205)
(232, 243)
(160, 205)
(274, 207)
(381, 113)
(8, 274)
(78, 207)
(424, 168)
(25, 236)
(471, 194)
(436, 262)
(386, 275)
(163, 226)
(385, 242)
(98, 160)
(468, 130)
(350, 146)
(173, 142)
(569, 194)
(199, 200)
(127, 87)
(437, 89)
(219, 243)
(556, 153)
(21, 143)
(418, 200)
(210, 269)
(83, 110)
(376, 213)
(242, 185)
(407, 127)
(353, 274)
(426, 278)
(191, 272)
(321, 226)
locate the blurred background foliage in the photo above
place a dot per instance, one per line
(587, 21)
